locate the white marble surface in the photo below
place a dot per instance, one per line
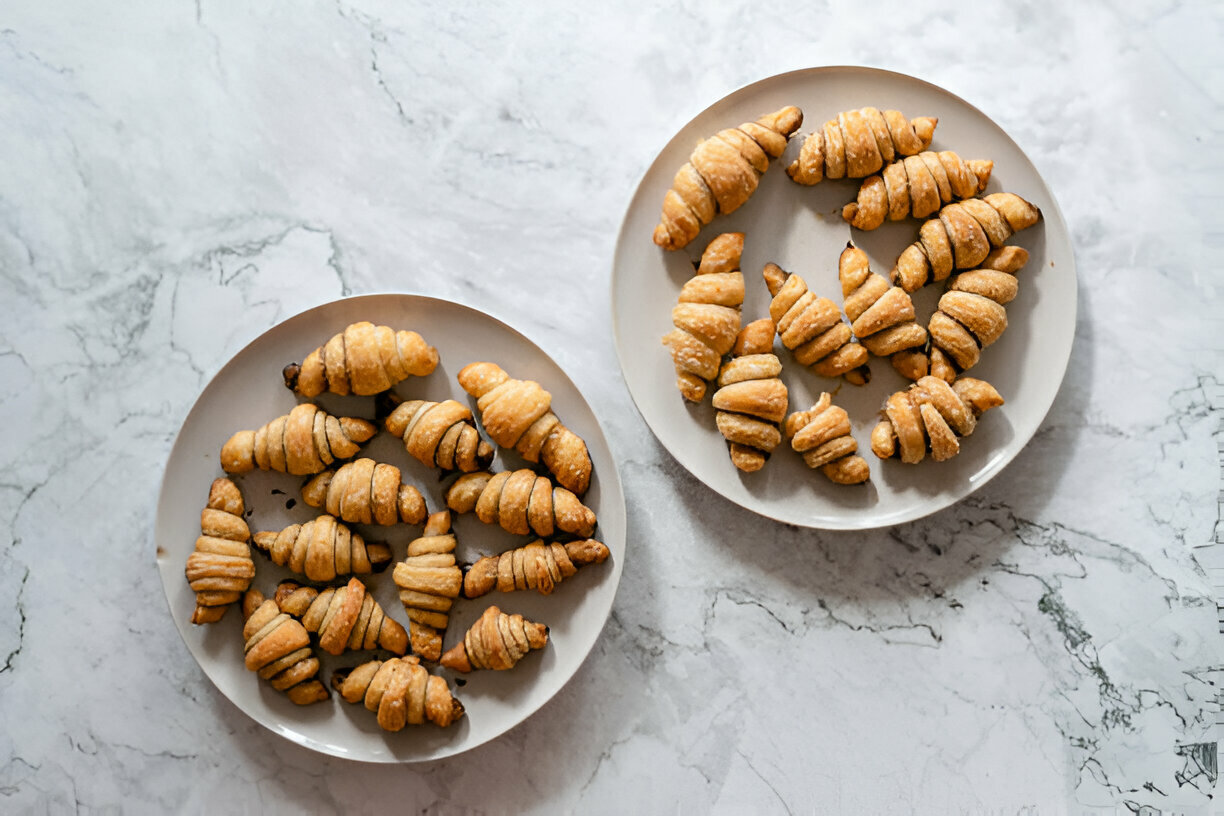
(177, 177)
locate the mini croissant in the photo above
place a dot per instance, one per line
(344, 617)
(858, 143)
(707, 316)
(721, 174)
(916, 186)
(429, 580)
(364, 359)
(302, 442)
(517, 414)
(366, 492)
(961, 237)
(881, 315)
(439, 434)
(400, 691)
(931, 415)
(220, 568)
(278, 649)
(520, 502)
(812, 328)
(322, 549)
(496, 641)
(538, 565)
(822, 435)
(751, 400)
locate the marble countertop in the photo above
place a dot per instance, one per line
(178, 177)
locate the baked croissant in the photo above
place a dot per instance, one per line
(278, 649)
(366, 492)
(812, 328)
(429, 580)
(322, 549)
(931, 415)
(517, 414)
(822, 435)
(302, 442)
(344, 617)
(858, 143)
(520, 502)
(751, 400)
(538, 565)
(220, 568)
(961, 237)
(721, 174)
(971, 313)
(401, 691)
(881, 315)
(707, 316)
(364, 359)
(495, 641)
(439, 434)
(916, 186)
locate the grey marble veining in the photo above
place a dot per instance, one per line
(178, 177)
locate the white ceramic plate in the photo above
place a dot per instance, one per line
(248, 392)
(801, 229)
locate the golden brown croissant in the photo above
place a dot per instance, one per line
(401, 691)
(751, 400)
(931, 415)
(707, 316)
(363, 359)
(220, 568)
(538, 565)
(439, 434)
(916, 186)
(881, 315)
(302, 442)
(961, 237)
(344, 617)
(822, 435)
(858, 143)
(429, 580)
(366, 492)
(812, 328)
(322, 549)
(721, 174)
(971, 313)
(517, 414)
(496, 641)
(278, 649)
(521, 502)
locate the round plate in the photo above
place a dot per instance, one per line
(801, 229)
(248, 392)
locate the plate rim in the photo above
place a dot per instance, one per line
(989, 472)
(279, 728)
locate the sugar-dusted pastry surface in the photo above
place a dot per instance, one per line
(916, 187)
(821, 435)
(812, 328)
(881, 315)
(277, 647)
(931, 416)
(858, 143)
(363, 359)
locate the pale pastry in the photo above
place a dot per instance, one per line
(220, 568)
(366, 492)
(322, 549)
(344, 617)
(858, 143)
(521, 502)
(429, 580)
(496, 641)
(721, 174)
(538, 565)
(400, 691)
(822, 435)
(931, 416)
(518, 414)
(438, 434)
(812, 328)
(961, 237)
(751, 400)
(916, 186)
(881, 315)
(300, 443)
(277, 648)
(707, 316)
(363, 359)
